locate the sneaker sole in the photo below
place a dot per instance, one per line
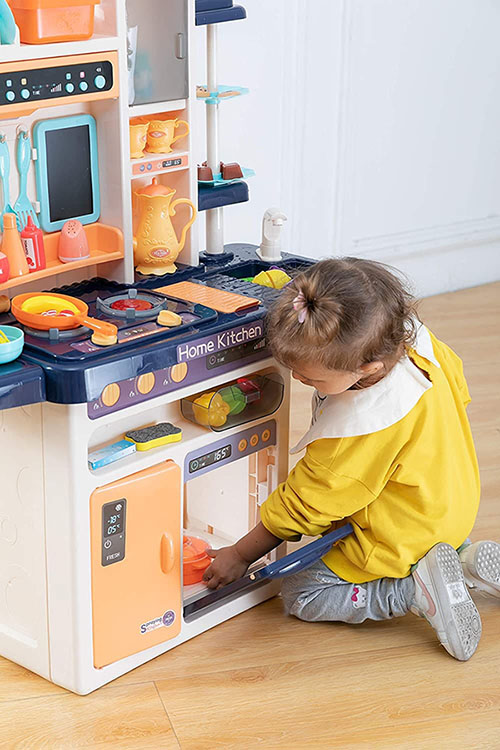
(460, 620)
(485, 572)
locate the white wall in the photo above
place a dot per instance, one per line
(375, 125)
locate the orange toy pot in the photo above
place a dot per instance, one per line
(45, 310)
(195, 559)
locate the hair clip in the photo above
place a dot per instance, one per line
(300, 305)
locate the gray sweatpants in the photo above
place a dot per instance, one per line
(318, 594)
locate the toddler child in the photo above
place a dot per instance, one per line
(389, 450)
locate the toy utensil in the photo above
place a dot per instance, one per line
(7, 24)
(3, 338)
(23, 207)
(5, 178)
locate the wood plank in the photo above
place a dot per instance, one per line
(113, 718)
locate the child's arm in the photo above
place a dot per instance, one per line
(230, 563)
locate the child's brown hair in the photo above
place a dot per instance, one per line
(353, 311)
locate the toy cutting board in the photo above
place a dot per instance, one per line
(217, 299)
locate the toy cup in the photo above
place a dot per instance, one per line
(161, 135)
(138, 138)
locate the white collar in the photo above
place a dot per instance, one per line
(362, 412)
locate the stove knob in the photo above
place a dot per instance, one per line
(25, 93)
(10, 96)
(83, 85)
(70, 87)
(99, 82)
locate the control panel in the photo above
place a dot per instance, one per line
(55, 82)
(229, 449)
(113, 531)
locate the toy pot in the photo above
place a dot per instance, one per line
(156, 246)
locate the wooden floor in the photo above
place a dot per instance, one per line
(264, 680)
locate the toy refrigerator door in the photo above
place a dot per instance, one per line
(158, 29)
(136, 562)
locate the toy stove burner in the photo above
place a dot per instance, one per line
(132, 305)
(55, 335)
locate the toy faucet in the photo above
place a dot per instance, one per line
(272, 224)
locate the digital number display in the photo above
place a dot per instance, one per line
(196, 464)
(113, 522)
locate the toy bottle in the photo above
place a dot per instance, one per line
(4, 268)
(12, 247)
(32, 241)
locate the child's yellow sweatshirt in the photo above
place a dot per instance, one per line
(397, 460)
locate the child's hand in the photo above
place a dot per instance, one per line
(227, 566)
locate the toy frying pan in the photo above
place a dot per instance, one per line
(45, 310)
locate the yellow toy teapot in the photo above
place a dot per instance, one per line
(156, 246)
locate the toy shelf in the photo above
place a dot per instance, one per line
(105, 243)
(140, 110)
(98, 43)
(210, 196)
(155, 164)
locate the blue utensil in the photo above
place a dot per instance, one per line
(23, 206)
(294, 562)
(5, 180)
(7, 24)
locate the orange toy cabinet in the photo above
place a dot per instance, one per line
(136, 562)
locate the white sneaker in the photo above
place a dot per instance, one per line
(442, 598)
(481, 566)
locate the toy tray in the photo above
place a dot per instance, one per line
(235, 403)
(222, 92)
(217, 181)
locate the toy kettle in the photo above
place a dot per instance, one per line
(156, 246)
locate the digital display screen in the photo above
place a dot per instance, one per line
(113, 522)
(69, 172)
(196, 464)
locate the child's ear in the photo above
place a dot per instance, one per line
(371, 368)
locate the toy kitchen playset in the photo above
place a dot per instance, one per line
(142, 418)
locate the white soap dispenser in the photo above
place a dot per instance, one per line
(272, 224)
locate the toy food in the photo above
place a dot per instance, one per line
(230, 171)
(234, 398)
(275, 278)
(169, 319)
(4, 303)
(210, 409)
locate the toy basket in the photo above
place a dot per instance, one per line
(236, 403)
(44, 21)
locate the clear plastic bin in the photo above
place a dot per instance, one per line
(44, 21)
(236, 403)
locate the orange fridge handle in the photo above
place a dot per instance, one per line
(167, 553)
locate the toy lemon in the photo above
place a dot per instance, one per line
(275, 278)
(210, 410)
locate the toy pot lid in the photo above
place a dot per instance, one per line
(155, 189)
(194, 549)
